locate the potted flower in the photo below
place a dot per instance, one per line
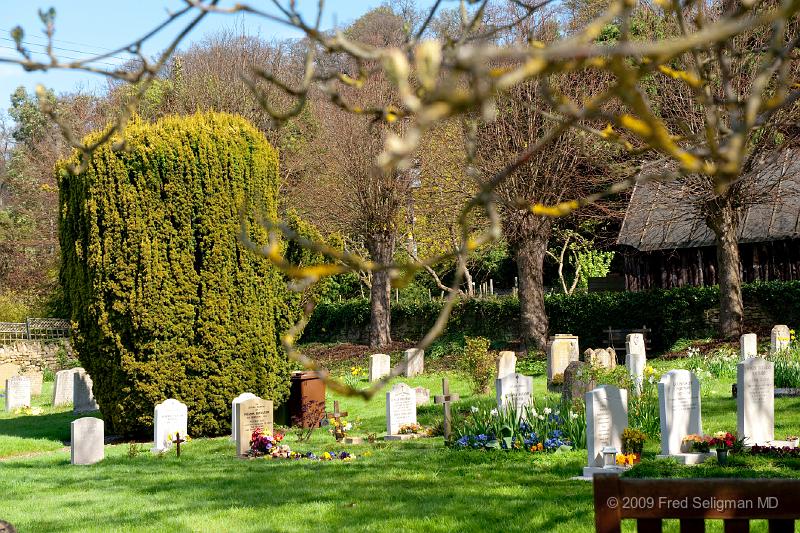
(633, 443)
(793, 440)
(694, 444)
(723, 441)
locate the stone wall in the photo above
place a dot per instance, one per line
(36, 354)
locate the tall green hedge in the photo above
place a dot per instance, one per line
(167, 301)
(671, 314)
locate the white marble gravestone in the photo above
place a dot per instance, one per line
(515, 390)
(169, 417)
(748, 346)
(561, 351)
(414, 361)
(64, 386)
(18, 392)
(506, 364)
(606, 418)
(87, 436)
(401, 408)
(779, 339)
(679, 412)
(235, 410)
(379, 365)
(251, 414)
(82, 394)
(755, 401)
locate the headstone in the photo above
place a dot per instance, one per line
(169, 417)
(87, 436)
(423, 395)
(8, 370)
(251, 414)
(779, 339)
(755, 401)
(634, 343)
(606, 418)
(635, 363)
(516, 391)
(588, 356)
(603, 359)
(235, 410)
(577, 381)
(36, 382)
(748, 346)
(401, 408)
(82, 395)
(561, 351)
(506, 364)
(679, 409)
(379, 365)
(18, 392)
(414, 362)
(64, 385)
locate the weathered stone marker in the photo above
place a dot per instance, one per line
(87, 437)
(379, 365)
(444, 400)
(251, 414)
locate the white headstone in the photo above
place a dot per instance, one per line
(170, 417)
(635, 363)
(561, 351)
(235, 410)
(779, 339)
(506, 364)
(18, 392)
(64, 386)
(379, 365)
(8, 370)
(606, 418)
(679, 409)
(634, 343)
(755, 401)
(401, 408)
(423, 395)
(515, 390)
(748, 346)
(87, 436)
(82, 394)
(414, 360)
(251, 414)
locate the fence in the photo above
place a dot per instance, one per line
(39, 329)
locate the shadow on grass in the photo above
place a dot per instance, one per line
(54, 426)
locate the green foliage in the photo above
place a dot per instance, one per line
(477, 363)
(167, 300)
(25, 110)
(594, 264)
(787, 367)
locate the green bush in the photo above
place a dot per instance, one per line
(478, 364)
(167, 300)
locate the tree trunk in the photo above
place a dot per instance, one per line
(528, 239)
(724, 222)
(381, 250)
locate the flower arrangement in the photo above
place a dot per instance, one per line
(340, 427)
(776, 451)
(627, 459)
(633, 441)
(262, 443)
(411, 429)
(723, 440)
(695, 443)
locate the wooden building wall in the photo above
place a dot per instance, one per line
(762, 261)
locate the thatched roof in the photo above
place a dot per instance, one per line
(659, 217)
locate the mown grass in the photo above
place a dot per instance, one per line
(408, 486)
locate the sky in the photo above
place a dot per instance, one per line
(84, 28)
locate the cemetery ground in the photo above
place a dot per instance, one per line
(414, 485)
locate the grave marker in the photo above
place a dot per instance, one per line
(606, 418)
(423, 395)
(251, 414)
(506, 364)
(515, 390)
(82, 395)
(169, 418)
(748, 346)
(64, 386)
(7, 370)
(235, 411)
(444, 400)
(635, 360)
(414, 362)
(401, 409)
(18, 392)
(561, 351)
(379, 365)
(779, 339)
(87, 436)
(755, 401)
(679, 409)
(36, 381)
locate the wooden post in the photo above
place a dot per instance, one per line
(444, 399)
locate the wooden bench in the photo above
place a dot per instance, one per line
(616, 339)
(735, 501)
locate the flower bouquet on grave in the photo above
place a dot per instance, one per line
(695, 444)
(340, 427)
(633, 443)
(264, 444)
(627, 460)
(724, 442)
(411, 429)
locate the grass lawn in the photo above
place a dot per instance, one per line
(409, 486)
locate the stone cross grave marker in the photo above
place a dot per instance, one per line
(379, 365)
(444, 400)
(235, 412)
(401, 408)
(170, 417)
(251, 414)
(561, 351)
(336, 416)
(64, 386)
(177, 441)
(506, 364)
(7, 370)
(515, 390)
(679, 409)
(755, 401)
(779, 339)
(414, 362)
(18, 392)
(606, 418)
(82, 395)
(748, 346)
(87, 437)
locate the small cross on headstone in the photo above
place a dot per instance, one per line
(445, 398)
(177, 442)
(336, 415)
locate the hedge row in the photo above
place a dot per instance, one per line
(671, 314)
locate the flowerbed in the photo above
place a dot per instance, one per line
(269, 446)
